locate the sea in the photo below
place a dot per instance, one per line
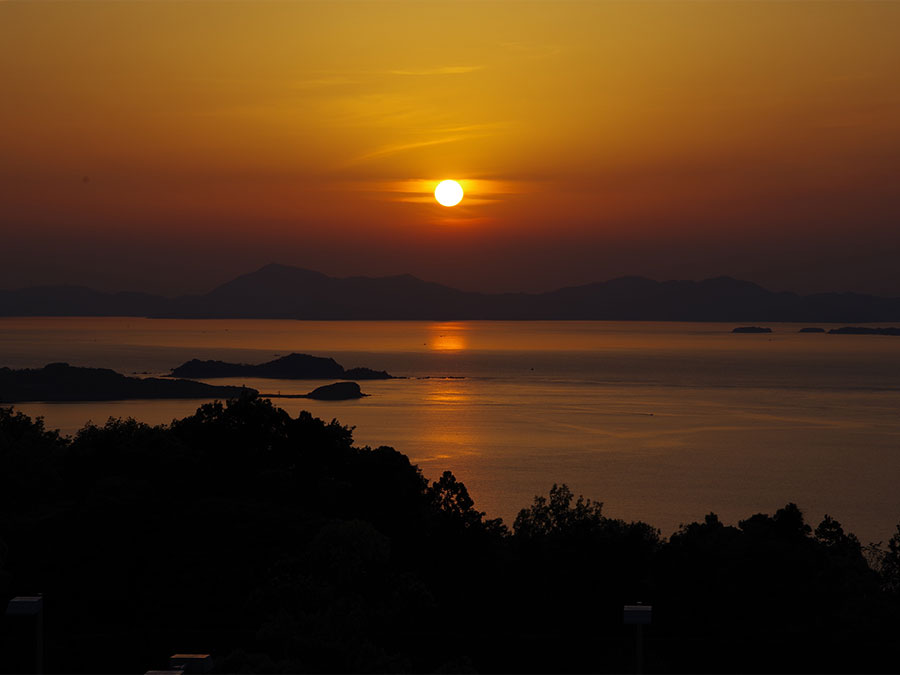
(662, 422)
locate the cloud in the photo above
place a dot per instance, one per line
(442, 70)
(446, 134)
(478, 191)
(402, 147)
(326, 81)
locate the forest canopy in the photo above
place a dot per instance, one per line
(277, 545)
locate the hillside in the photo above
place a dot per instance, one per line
(282, 292)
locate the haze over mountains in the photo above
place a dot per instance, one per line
(282, 292)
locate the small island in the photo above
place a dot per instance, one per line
(339, 391)
(291, 367)
(751, 329)
(811, 329)
(62, 382)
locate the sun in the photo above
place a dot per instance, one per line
(448, 193)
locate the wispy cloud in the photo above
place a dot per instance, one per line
(326, 81)
(442, 70)
(438, 136)
(403, 147)
(363, 77)
(533, 50)
(478, 191)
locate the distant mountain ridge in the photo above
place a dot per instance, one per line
(283, 292)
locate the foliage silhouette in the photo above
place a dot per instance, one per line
(275, 543)
(27, 453)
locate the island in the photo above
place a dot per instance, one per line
(751, 329)
(811, 329)
(62, 382)
(339, 391)
(291, 367)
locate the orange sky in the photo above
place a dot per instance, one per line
(168, 146)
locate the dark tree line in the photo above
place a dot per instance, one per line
(276, 544)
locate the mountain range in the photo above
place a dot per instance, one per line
(283, 292)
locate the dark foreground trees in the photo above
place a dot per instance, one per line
(278, 546)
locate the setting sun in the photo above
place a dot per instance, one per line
(448, 193)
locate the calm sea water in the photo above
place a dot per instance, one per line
(663, 422)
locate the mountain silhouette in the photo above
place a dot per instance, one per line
(283, 292)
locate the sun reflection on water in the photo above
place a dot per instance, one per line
(446, 391)
(444, 428)
(449, 336)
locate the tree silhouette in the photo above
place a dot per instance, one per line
(278, 545)
(27, 452)
(451, 499)
(890, 564)
(557, 516)
(830, 533)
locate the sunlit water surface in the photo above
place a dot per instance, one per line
(662, 422)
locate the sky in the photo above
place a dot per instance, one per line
(170, 146)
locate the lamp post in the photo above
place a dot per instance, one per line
(33, 606)
(638, 616)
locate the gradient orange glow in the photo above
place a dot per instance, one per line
(758, 139)
(447, 337)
